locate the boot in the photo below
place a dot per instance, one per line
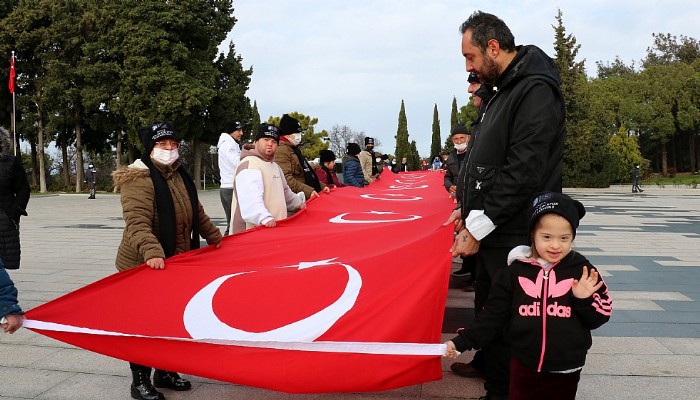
(170, 380)
(141, 387)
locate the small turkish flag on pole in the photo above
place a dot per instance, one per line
(11, 85)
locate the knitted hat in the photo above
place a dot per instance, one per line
(369, 140)
(459, 129)
(158, 131)
(353, 149)
(232, 126)
(289, 125)
(268, 130)
(472, 78)
(326, 156)
(556, 203)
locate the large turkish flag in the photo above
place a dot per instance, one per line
(347, 295)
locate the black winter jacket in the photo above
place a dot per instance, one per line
(548, 329)
(14, 196)
(517, 150)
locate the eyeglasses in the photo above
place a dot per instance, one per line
(161, 144)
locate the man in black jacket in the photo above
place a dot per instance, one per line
(515, 153)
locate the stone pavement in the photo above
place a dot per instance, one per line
(645, 244)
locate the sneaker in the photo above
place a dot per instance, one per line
(466, 370)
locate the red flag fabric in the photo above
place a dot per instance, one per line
(347, 295)
(11, 84)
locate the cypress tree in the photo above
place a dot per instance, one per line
(435, 145)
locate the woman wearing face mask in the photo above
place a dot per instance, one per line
(162, 217)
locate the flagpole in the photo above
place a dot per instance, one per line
(14, 128)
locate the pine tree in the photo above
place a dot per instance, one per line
(435, 145)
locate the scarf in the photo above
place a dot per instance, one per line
(166, 208)
(310, 177)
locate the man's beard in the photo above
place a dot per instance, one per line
(490, 71)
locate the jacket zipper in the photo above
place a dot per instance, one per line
(545, 294)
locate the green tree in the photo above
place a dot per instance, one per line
(414, 160)
(453, 114)
(402, 145)
(625, 154)
(586, 162)
(435, 144)
(311, 142)
(254, 124)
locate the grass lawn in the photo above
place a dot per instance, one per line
(680, 180)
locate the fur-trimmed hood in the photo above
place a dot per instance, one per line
(130, 173)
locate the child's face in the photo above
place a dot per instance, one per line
(553, 236)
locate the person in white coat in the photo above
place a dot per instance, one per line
(229, 149)
(261, 195)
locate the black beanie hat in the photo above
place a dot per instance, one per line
(232, 126)
(158, 131)
(473, 78)
(326, 156)
(353, 149)
(369, 140)
(459, 128)
(289, 125)
(556, 203)
(268, 130)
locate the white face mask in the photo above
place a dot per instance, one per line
(461, 147)
(163, 156)
(295, 139)
(378, 159)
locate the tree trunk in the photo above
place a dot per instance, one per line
(664, 160)
(118, 160)
(78, 157)
(35, 164)
(691, 151)
(197, 160)
(40, 148)
(65, 169)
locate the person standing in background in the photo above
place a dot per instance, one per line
(229, 152)
(14, 197)
(91, 179)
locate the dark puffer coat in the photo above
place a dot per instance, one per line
(14, 196)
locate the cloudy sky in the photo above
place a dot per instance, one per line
(352, 62)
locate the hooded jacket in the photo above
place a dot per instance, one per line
(229, 155)
(140, 239)
(548, 328)
(517, 150)
(260, 192)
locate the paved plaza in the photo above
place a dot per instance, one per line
(646, 245)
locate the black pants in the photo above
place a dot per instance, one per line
(226, 195)
(489, 261)
(527, 383)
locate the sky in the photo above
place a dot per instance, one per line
(352, 62)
